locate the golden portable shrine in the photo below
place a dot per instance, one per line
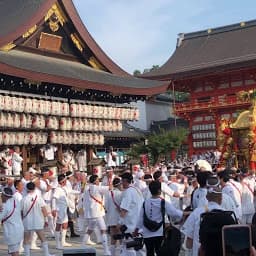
(237, 140)
(58, 89)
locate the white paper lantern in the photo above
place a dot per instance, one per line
(69, 138)
(90, 139)
(101, 139)
(26, 138)
(12, 138)
(136, 114)
(53, 137)
(20, 138)
(28, 105)
(79, 110)
(16, 120)
(6, 138)
(1, 138)
(100, 125)
(52, 123)
(120, 126)
(3, 119)
(73, 110)
(63, 123)
(1, 102)
(100, 111)
(89, 111)
(14, 103)
(7, 103)
(60, 138)
(35, 106)
(48, 107)
(65, 109)
(9, 118)
(33, 138)
(38, 122)
(95, 139)
(43, 138)
(21, 104)
(56, 108)
(85, 140)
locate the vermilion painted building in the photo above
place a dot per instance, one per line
(212, 65)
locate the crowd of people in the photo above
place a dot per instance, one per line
(112, 209)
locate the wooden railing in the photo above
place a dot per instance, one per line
(231, 101)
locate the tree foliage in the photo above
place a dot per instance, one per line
(159, 145)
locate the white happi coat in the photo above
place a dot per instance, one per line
(191, 226)
(235, 192)
(34, 220)
(93, 208)
(13, 226)
(132, 200)
(60, 202)
(112, 203)
(16, 163)
(248, 185)
(199, 197)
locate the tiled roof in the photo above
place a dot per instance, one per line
(49, 69)
(223, 48)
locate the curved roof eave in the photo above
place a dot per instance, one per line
(72, 82)
(86, 36)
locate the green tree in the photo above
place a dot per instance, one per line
(159, 145)
(136, 72)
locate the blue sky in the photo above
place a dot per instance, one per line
(137, 34)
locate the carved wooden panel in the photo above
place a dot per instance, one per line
(50, 42)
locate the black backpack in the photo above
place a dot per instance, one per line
(210, 231)
(172, 242)
(152, 225)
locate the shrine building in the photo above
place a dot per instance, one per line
(212, 66)
(57, 86)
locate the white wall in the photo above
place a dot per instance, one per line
(151, 111)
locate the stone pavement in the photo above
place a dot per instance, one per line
(76, 242)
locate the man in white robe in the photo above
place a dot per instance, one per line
(34, 216)
(11, 221)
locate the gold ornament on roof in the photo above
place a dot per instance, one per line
(95, 64)
(76, 41)
(56, 10)
(29, 32)
(7, 47)
(54, 25)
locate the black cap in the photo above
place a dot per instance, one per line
(127, 176)
(116, 182)
(44, 170)
(68, 174)
(31, 186)
(61, 177)
(7, 192)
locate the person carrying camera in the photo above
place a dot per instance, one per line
(154, 209)
(131, 203)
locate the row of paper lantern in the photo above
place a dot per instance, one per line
(23, 138)
(40, 138)
(58, 108)
(26, 121)
(76, 138)
(32, 105)
(107, 112)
